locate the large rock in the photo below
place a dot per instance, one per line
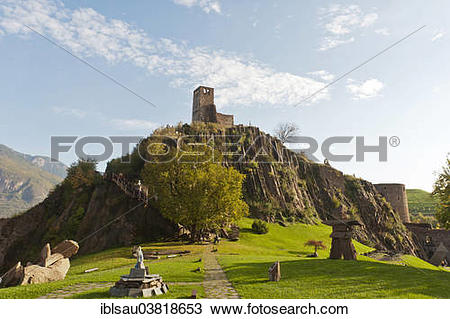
(12, 277)
(53, 265)
(35, 274)
(67, 248)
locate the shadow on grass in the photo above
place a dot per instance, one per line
(325, 278)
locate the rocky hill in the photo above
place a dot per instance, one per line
(25, 180)
(281, 186)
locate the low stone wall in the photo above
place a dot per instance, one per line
(225, 119)
(429, 239)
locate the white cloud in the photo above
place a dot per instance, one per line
(323, 75)
(383, 31)
(365, 90)
(437, 36)
(341, 21)
(87, 33)
(206, 5)
(133, 124)
(69, 112)
(332, 42)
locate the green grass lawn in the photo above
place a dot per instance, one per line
(246, 263)
(116, 262)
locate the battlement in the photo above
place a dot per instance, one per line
(204, 109)
(395, 194)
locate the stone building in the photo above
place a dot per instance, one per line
(395, 194)
(204, 109)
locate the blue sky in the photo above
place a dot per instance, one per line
(262, 57)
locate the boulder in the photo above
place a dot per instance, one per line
(67, 248)
(12, 277)
(36, 274)
(53, 265)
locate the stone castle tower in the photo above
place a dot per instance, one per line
(204, 109)
(395, 194)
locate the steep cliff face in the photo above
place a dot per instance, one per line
(283, 185)
(84, 216)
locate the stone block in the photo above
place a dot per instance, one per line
(67, 248)
(147, 292)
(157, 291)
(137, 273)
(118, 292)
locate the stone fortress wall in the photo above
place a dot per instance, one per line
(426, 238)
(395, 194)
(204, 109)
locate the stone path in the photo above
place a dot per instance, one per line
(75, 289)
(216, 284)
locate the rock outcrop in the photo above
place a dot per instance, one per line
(285, 186)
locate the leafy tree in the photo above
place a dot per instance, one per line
(197, 193)
(442, 192)
(82, 173)
(317, 245)
(421, 218)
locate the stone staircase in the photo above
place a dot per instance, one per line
(134, 189)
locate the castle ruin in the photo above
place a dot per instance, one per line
(395, 194)
(204, 109)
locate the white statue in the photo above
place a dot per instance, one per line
(140, 259)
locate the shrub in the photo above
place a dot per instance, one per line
(260, 227)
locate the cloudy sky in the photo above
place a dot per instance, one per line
(263, 58)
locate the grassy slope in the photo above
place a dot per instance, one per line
(420, 201)
(116, 262)
(247, 261)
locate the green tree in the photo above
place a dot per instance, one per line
(82, 173)
(317, 244)
(442, 192)
(197, 193)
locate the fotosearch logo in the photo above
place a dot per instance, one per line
(235, 148)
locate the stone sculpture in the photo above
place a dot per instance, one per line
(53, 265)
(139, 283)
(275, 272)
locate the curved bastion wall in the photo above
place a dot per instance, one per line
(395, 194)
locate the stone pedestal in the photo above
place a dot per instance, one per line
(146, 286)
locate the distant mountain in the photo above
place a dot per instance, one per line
(25, 180)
